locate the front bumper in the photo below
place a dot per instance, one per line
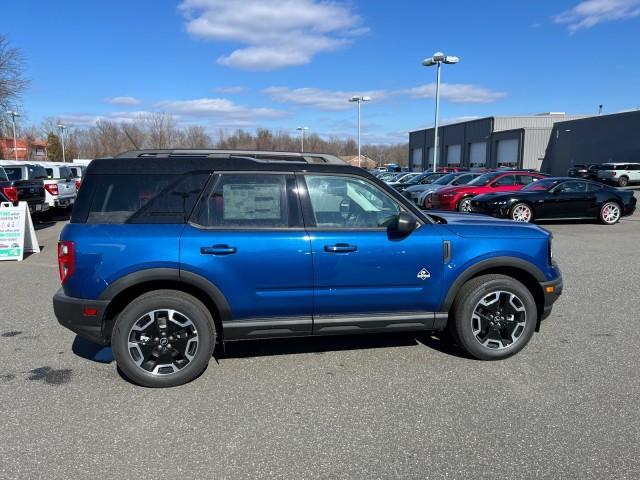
(552, 291)
(71, 313)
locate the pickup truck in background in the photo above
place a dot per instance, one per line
(59, 192)
(14, 189)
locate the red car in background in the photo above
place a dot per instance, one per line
(459, 197)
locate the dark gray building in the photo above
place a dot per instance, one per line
(599, 139)
(491, 142)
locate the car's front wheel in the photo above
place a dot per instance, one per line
(465, 205)
(610, 213)
(521, 212)
(163, 338)
(493, 317)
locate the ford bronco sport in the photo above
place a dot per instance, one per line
(170, 252)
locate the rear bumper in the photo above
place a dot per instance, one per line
(70, 313)
(552, 291)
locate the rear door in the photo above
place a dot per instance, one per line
(506, 183)
(246, 236)
(363, 277)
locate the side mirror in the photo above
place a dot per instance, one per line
(404, 224)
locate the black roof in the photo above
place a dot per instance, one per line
(182, 161)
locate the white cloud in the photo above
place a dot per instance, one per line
(217, 109)
(327, 100)
(589, 13)
(89, 119)
(456, 92)
(274, 33)
(232, 89)
(123, 100)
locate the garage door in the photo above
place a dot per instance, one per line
(478, 154)
(416, 159)
(508, 152)
(453, 154)
(430, 158)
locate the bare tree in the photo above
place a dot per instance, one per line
(12, 80)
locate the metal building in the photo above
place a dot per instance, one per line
(491, 142)
(598, 139)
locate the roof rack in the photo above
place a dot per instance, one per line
(259, 155)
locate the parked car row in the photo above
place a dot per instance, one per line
(619, 173)
(44, 186)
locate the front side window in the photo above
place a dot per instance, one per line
(573, 187)
(249, 200)
(505, 181)
(348, 202)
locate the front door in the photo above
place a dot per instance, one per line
(364, 276)
(569, 199)
(247, 238)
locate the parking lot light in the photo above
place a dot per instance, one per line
(14, 114)
(437, 59)
(359, 99)
(62, 129)
(302, 130)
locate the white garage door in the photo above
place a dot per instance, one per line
(478, 154)
(416, 159)
(453, 154)
(508, 152)
(430, 158)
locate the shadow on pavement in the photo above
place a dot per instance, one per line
(92, 351)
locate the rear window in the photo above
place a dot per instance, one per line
(36, 172)
(154, 198)
(14, 173)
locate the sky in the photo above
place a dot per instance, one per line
(280, 64)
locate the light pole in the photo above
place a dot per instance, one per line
(62, 128)
(302, 130)
(359, 99)
(437, 59)
(13, 119)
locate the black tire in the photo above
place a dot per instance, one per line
(464, 205)
(610, 213)
(517, 212)
(623, 181)
(188, 307)
(461, 323)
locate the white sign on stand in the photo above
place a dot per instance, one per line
(17, 234)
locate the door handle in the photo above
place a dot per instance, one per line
(340, 248)
(218, 250)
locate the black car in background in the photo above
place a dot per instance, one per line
(558, 197)
(589, 172)
(14, 190)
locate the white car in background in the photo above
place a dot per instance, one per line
(59, 186)
(621, 174)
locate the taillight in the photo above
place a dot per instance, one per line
(613, 174)
(66, 259)
(52, 188)
(78, 182)
(11, 193)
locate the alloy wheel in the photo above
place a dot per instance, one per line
(465, 205)
(163, 342)
(610, 213)
(521, 213)
(498, 320)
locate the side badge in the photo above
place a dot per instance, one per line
(424, 274)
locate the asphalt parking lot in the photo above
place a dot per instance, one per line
(381, 406)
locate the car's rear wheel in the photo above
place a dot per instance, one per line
(610, 213)
(493, 317)
(163, 338)
(465, 205)
(521, 212)
(623, 181)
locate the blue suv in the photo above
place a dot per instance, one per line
(170, 252)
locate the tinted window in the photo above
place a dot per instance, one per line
(3, 175)
(49, 172)
(445, 180)
(540, 185)
(572, 187)
(77, 173)
(347, 202)
(36, 172)
(248, 200)
(505, 181)
(483, 179)
(462, 179)
(146, 198)
(14, 173)
(593, 187)
(65, 172)
(525, 179)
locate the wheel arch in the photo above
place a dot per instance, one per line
(527, 203)
(526, 273)
(124, 290)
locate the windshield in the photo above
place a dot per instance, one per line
(446, 179)
(408, 177)
(540, 186)
(484, 179)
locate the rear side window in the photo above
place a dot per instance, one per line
(507, 180)
(14, 173)
(525, 179)
(593, 187)
(36, 172)
(155, 198)
(250, 201)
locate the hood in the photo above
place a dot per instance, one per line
(469, 225)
